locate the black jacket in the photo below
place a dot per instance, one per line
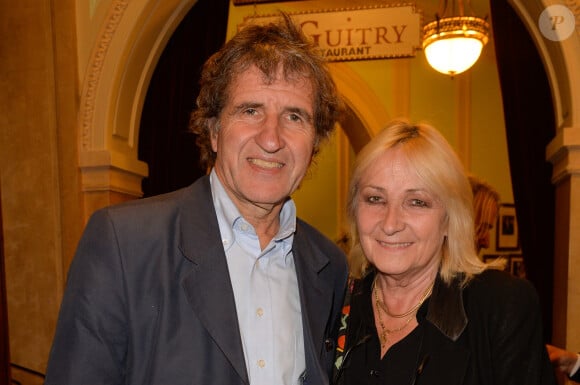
(489, 333)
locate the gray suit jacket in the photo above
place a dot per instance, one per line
(149, 298)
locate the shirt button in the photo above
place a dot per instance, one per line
(261, 363)
(328, 344)
(260, 312)
(244, 227)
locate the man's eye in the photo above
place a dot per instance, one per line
(250, 111)
(295, 117)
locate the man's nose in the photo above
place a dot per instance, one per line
(269, 138)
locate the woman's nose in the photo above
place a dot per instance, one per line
(393, 221)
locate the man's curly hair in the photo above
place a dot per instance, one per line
(268, 47)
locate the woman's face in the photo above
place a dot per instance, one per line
(401, 223)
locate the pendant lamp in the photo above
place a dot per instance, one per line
(453, 44)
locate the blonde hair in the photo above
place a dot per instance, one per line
(485, 199)
(437, 165)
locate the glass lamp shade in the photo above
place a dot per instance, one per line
(452, 45)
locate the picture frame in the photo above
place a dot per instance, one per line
(507, 234)
(487, 258)
(251, 2)
(517, 266)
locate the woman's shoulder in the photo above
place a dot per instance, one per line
(497, 288)
(494, 278)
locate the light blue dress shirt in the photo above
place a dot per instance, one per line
(266, 292)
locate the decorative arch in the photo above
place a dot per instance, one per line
(135, 33)
(365, 113)
(554, 56)
(122, 62)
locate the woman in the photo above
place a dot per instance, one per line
(423, 309)
(485, 209)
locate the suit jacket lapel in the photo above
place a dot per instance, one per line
(315, 296)
(207, 286)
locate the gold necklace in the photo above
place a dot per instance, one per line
(381, 306)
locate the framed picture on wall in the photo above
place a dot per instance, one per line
(245, 2)
(487, 258)
(517, 266)
(507, 228)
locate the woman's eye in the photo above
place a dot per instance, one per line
(373, 199)
(419, 203)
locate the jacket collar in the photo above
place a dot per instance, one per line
(445, 310)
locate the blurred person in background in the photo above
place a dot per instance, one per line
(486, 202)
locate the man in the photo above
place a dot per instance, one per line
(565, 362)
(218, 283)
(486, 202)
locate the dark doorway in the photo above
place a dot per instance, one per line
(165, 143)
(530, 126)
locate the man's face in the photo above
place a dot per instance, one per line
(265, 138)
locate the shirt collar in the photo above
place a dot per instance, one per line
(227, 214)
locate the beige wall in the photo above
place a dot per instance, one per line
(73, 78)
(38, 163)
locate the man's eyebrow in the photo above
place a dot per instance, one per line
(300, 111)
(244, 105)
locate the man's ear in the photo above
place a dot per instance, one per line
(212, 125)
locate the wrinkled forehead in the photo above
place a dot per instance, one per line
(273, 71)
(253, 77)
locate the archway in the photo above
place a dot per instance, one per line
(126, 53)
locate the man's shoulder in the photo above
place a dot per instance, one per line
(306, 229)
(315, 236)
(193, 197)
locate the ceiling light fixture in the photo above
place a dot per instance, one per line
(453, 44)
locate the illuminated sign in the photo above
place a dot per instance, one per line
(384, 31)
